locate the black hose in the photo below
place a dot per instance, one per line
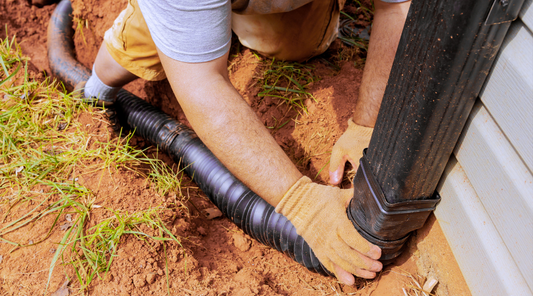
(246, 209)
(61, 48)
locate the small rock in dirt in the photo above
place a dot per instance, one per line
(52, 250)
(212, 213)
(204, 271)
(150, 278)
(241, 242)
(1, 258)
(175, 255)
(181, 226)
(430, 284)
(139, 281)
(201, 230)
(160, 271)
(68, 217)
(65, 226)
(63, 290)
(30, 242)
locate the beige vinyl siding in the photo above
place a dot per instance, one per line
(486, 211)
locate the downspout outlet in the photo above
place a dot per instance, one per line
(387, 225)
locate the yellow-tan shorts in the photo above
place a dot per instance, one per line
(295, 35)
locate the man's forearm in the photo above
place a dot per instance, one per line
(230, 128)
(387, 27)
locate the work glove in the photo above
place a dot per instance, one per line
(349, 147)
(318, 212)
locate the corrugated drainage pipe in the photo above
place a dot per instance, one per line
(246, 209)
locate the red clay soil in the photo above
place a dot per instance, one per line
(216, 257)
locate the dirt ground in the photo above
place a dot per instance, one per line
(216, 257)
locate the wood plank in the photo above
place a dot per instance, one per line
(508, 94)
(486, 264)
(526, 14)
(503, 183)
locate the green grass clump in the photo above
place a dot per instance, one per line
(42, 148)
(164, 178)
(92, 250)
(287, 81)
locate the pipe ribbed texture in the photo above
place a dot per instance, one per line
(246, 209)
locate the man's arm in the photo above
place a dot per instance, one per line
(229, 127)
(387, 27)
(234, 133)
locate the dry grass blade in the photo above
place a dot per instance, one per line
(413, 287)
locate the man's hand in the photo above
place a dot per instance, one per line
(349, 147)
(319, 214)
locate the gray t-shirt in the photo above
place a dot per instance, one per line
(190, 31)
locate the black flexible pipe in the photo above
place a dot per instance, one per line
(246, 209)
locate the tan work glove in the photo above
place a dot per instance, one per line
(349, 147)
(319, 214)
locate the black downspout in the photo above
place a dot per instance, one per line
(444, 56)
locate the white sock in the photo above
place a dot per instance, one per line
(97, 89)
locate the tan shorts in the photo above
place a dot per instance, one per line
(295, 35)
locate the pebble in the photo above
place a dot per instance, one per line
(150, 278)
(241, 242)
(139, 281)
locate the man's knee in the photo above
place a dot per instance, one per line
(296, 35)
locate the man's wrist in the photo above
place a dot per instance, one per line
(364, 119)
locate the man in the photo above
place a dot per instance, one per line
(188, 42)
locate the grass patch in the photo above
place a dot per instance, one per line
(92, 251)
(288, 82)
(164, 178)
(42, 146)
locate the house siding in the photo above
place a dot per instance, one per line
(486, 211)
